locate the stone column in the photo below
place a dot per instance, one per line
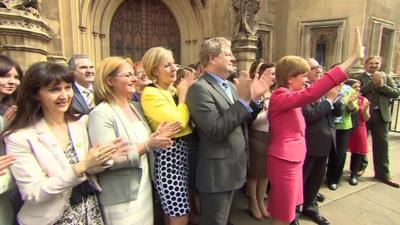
(244, 46)
(244, 49)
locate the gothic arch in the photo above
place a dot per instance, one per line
(192, 23)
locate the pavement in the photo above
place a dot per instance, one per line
(368, 203)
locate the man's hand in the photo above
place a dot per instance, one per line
(244, 86)
(332, 94)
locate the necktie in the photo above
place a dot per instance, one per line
(89, 97)
(227, 90)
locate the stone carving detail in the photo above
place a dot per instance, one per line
(32, 6)
(246, 23)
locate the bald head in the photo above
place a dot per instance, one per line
(315, 70)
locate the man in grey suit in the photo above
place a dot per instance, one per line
(378, 88)
(83, 70)
(221, 111)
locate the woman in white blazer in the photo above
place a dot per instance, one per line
(127, 193)
(53, 165)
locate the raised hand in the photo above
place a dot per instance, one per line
(260, 85)
(183, 87)
(10, 114)
(5, 162)
(244, 86)
(169, 129)
(333, 93)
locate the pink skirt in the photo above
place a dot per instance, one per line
(286, 180)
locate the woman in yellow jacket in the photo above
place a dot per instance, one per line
(161, 102)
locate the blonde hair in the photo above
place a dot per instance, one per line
(290, 66)
(212, 46)
(102, 91)
(152, 58)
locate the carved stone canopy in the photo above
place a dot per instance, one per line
(246, 23)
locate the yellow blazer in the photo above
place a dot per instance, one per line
(159, 106)
(42, 171)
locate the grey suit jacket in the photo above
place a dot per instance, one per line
(120, 182)
(379, 96)
(320, 127)
(221, 127)
(78, 102)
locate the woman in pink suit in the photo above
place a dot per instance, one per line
(358, 140)
(287, 148)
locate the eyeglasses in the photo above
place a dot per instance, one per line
(316, 67)
(127, 75)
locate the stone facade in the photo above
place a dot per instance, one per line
(309, 28)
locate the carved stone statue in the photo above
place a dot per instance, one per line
(246, 23)
(32, 6)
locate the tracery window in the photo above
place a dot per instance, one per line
(139, 25)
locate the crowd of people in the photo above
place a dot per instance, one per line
(86, 146)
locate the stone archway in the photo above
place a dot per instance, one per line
(94, 18)
(138, 25)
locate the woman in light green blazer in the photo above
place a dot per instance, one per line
(127, 193)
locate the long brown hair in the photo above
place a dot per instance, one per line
(6, 64)
(39, 75)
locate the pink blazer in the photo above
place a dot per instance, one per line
(42, 171)
(287, 125)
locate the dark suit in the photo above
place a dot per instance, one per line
(222, 158)
(320, 140)
(78, 102)
(378, 124)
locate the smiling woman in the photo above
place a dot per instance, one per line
(53, 164)
(10, 77)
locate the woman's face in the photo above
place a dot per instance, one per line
(270, 75)
(9, 82)
(165, 72)
(297, 83)
(124, 83)
(356, 86)
(55, 98)
(142, 79)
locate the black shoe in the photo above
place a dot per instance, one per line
(295, 222)
(317, 218)
(320, 197)
(332, 187)
(389, 182)
(353, 180)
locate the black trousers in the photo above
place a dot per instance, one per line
(337, 159)
(313, 173)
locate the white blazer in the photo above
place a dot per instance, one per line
(42, 171)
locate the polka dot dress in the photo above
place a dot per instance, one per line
(171, 178)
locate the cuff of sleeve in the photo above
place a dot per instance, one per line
(246, 105)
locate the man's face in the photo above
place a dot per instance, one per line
(315, 71)
(84, 72)
(372, 65)
(225, 62)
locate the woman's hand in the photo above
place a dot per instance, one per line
(183, 87)
(358, 49)
(168, 129)
(123, 148)
(97, 156)
(5, 162)
(9, 115)
(157, 141)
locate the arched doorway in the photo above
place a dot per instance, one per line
(138, 25)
